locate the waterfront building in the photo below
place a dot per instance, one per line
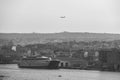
(110, 58)
(67, 62)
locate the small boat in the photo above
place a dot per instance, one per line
(38, 62)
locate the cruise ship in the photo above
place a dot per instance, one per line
(38, 62)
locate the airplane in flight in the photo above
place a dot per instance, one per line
(62, 17)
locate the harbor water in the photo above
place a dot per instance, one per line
(12, 72)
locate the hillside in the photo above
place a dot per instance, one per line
(31, 38)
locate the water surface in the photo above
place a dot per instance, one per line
(12, 72)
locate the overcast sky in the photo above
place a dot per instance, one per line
(43, 16)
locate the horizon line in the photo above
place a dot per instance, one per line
(55, 32)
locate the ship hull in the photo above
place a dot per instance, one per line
(35, 67)
(39, 65)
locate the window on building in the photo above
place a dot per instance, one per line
(66, 64)
(62, 64)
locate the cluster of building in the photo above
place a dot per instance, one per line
(102, 59)
(98, 59)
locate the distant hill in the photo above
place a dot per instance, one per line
(31, 38)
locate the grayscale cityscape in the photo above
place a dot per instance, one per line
(59, 40)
